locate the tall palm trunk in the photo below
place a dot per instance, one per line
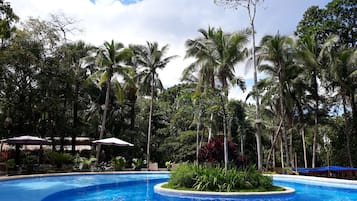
(198, 134)
(258, 134)
(346, 129)
(354, 110)
(75, 117)
(150, 119)
(273, 149)
(282, 116)
(302, 132)
(210, 134)
(225, 145)
(316, 120)
(281, 152)
(104, 118)
(229, 127)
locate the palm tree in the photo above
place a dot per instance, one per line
(342, 68)
(216, 55)
(251, 6)
(150, 59)
(111, 59)
(278, 51)
(311, 56)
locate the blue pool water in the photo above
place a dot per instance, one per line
(125, 187)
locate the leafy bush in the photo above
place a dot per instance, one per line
(184, 176)
(118, 163)
(168, 165)
(11, 164)
(137, 163)
(214, 178)
(83, 163)
(87, 163)
(59, 158)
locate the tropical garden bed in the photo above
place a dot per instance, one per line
(193, 177)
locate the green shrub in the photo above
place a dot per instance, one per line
(168, 165)
(118, 163)
(184, 176)
(59, 158)
(137, 163)
(215, 178)
(87, 163)
(11, 164)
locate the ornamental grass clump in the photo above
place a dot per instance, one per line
(215, 178)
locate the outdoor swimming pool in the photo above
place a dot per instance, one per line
(139, 186)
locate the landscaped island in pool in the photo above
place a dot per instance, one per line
(139, 186)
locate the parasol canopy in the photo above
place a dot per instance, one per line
(27, 140)
(113, 141)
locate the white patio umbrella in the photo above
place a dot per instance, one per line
(113, 141)
(27, 140)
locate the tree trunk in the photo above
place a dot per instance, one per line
(75, 117)
(291, 151)
(273, 153)
(258, 134)
(150, 119)
(346, 129)
(210, 134)
(241, 143)
(354, 111)
(197, 138)
(316, 118)
(104, 118)
(282, 118)
(275, 138)
(229, 127)
(302, 131)
(225, 146)
(281, 153)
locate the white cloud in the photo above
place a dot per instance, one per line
(165, 21)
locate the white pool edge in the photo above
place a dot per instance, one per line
(6, 178)
(159, 189)
(312, 178)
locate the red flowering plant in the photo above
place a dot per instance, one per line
(213, 152)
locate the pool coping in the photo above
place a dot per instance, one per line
(316, 179)
(159, 189)
(14, 177)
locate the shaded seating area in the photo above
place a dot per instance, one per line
(329, 171)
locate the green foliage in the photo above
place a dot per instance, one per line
(338, 18)
(184, 176)
(168, 165)
(214, 178)
(59, 158)
(83, 163)
(88, 162)
(8, 18)
(11, 163)
(137, 163)
(118, 163)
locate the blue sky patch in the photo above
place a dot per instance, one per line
(125, 2)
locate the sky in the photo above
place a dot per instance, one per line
(169, 22)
